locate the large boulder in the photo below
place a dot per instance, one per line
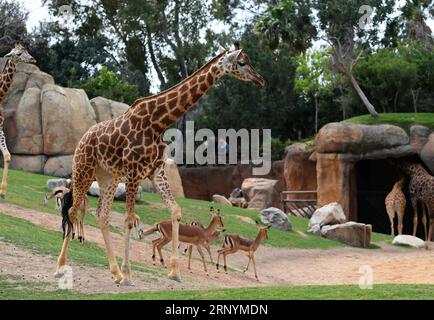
(60, 166)
(359, 139)
(106, 109)
(221, 200)
(147, 186)
(427, 153)
(120, 193)
(238, 202)
(327, 215)
(419, 136)
(66, 116)
(299, 170)
(28, 163)
(28, 138)
(260, 193)
(173, 178)
(352, 233)
(407, 240)
(276, 218)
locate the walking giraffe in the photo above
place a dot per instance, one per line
(13, 58)
(132, 146)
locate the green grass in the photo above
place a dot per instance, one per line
(403, 120)
(12, 288)
(28, 189)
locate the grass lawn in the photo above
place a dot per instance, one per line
(28, 189)
(403, 120)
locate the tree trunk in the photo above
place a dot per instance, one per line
(395, 101)
(415, 96)
(316, 113)
(362, 96)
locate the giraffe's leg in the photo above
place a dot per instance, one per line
(391, 214)
(431, 221)
(131, 220)
(401, 212)
(6, 161)
(161, 184)
(414, 205)
(107, 185)
(78, 193)
(424, 220)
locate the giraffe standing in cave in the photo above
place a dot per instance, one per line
(395, 205)
(132, 146)
(421, 187)
(13, 58)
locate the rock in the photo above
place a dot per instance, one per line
(418, 137)
(236, 193)
(54, 183)
(359, 139)
(66, 116)
(408, 240)
(28, 163)
(120, 193)
(60, 166)
(174, 178)
(427, 154)
(352, 233)
(260, 193)
(38, 79)
(147, 186)
(299, 171)
(327, 215)
(276, 218)
(106, 109)
(221, 200)
(238, 202)
(28, 138)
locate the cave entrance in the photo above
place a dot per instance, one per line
(375, 179)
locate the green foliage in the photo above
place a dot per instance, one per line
(108, 85)
(13, 19)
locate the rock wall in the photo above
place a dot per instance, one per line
(44, 122)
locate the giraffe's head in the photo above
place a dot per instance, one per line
(20, 54)
(237, 64)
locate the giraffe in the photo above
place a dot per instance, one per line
(395, 205)
(17, 55)
(421, 187)
(131, 146)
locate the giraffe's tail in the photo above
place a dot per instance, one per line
(67, 225)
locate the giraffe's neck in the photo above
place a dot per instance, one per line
(165, 108)
(6, 78)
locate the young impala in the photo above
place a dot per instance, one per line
(188, 234)
(234, 243)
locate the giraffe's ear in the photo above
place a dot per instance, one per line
(231, 57)
(237, 45)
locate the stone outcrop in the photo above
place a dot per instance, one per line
(330, 214)
(60, 166)
(276, 218)
(352, 233)
(106, 109)
(28, 163)
(221, 200)
(260, 193)
(427, 153)
(120, 193)
(407, 240)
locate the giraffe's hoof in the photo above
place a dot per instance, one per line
(175, 277)
(2, 196)
(127, 283)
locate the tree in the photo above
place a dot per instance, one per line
(13, 18)
(339, 21)
(312, 78)
(387, 75)
(108, 85)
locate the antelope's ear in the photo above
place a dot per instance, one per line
(211, 208)
(268, 227)
(231, 57)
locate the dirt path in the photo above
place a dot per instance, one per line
(276, 266)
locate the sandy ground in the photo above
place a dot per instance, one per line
(276, 266)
